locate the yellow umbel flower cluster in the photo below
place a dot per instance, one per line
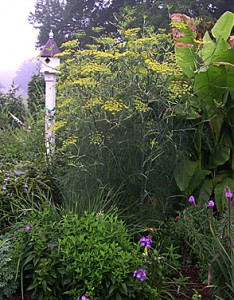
(113, 105)
(69, 141)
(96, 138)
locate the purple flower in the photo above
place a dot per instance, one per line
(140, 274)
(145, 241)
(211, 204)
(4, 187)
(18, 172)
(191, 200)
(28, 227)
(228, 193)
(82, 298)
(25, 185)
(6, 179)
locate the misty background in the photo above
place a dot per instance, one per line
(18, 38)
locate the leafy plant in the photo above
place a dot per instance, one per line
(8, 280)
(22, 184)
(11, 103)
(98, 258)
(196, 295)
(92, 255)
(221, 274)
(205, 239)
(207, 65)
(36, 236)
(110, 125)
(221, 268)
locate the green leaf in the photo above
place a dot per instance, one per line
(223, 26)
(211, 84)
(118, 297)
(29, 258)
(219, 192)
(230, 78)
(197, 180)
(112, 289)
(207, 49)
(216, 122)
(206, 191)
(186, 60)
(219, 156)
(184, 172)
(123, 289)
(185, 47)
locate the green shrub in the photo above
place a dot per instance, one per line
(64, 257)
(98, 257)
(8, 283)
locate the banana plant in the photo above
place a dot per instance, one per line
(209, 65)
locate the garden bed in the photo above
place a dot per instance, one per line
(193, 283)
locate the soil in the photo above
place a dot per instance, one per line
(27, 296)
(192, 284)
(187, 290)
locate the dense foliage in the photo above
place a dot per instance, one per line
(143, 129)
(11, 103)
(92, 255)
(208, 166)
(36, 94)
(8, 261)
(113, 101)
(67, 18)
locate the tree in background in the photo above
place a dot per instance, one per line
(66, 18)
(36, 94)
(24, 75)
(11, 102)
(49, 15)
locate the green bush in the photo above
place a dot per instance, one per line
(8, 283)
(66, 256)
(98, 257)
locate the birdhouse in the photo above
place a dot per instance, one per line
(50, 69)
(49, 63)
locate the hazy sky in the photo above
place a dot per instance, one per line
(18, 37)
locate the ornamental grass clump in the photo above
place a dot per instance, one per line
(221, 274)
(205, 236)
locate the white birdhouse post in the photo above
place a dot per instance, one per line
(49, 67)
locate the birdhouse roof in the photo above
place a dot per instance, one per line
(50, 48)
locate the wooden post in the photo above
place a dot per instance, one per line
(49, 67)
